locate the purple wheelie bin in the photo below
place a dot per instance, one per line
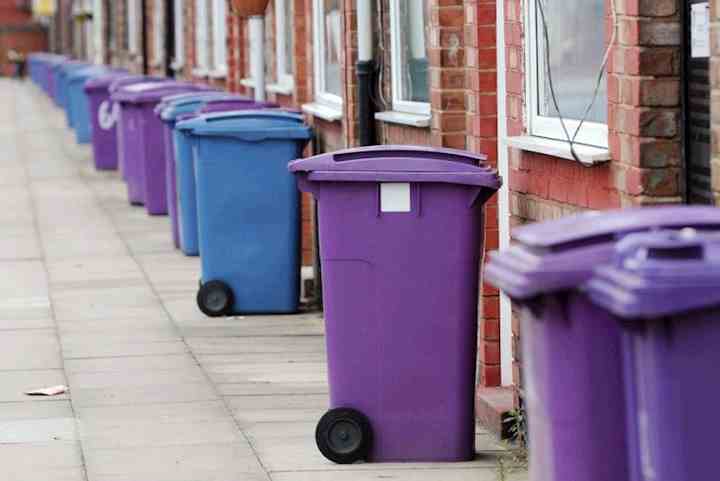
(104, 117)
(664, 288)
(127, 123)
(572, 350)
(400, 311)
(145, 164)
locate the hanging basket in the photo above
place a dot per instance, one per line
(249, 8)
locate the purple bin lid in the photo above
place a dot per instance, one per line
(561, 254)
(118, 83)
(153, 91)
(400, 163)
(660, 274)
(103, 82)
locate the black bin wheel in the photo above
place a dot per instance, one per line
(215, 299)
(344, 436)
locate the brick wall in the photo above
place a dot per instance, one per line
(715, 95)
(18, 31)
(643, 121)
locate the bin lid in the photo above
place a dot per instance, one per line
(400, 163)
(249, 125)
(152, 91)
(561, 254)
(118, 83)
(237, 103)
(174, 105)
(86, 73)
(102, 82)
(653, 275)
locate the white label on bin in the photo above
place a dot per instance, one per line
(395, 197)
(108, 113)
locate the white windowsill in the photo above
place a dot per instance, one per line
(200, 72)
(217, 73)
(177, 66)
(326, 113)
(403, 118)
(282, 89)
(247, 82)
(558, 148)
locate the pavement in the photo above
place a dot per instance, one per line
(93, 295)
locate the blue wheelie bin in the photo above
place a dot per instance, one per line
(248, 210)
(78, 104)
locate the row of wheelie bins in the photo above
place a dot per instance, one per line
(401, 344)
(617, 309)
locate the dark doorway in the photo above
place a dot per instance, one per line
(696, 104)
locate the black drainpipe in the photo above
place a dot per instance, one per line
(143, 29)
(366, 111)
(169, 37)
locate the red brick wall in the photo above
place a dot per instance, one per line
(11, 14)
(23, 40)
(643, 122)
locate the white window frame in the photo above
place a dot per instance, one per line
(592, 133)
(202, 54)
(219, 35)
(133, 17)
(327, 99)
(159, 33)
(398, 103)
(98, 24)
(179, 61)
(284, 79)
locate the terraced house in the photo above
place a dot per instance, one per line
(590, 104)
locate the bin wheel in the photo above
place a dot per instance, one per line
(215, 299)
(344, 436)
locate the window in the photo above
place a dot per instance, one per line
(327, 40)
(159, 34)
(284, 42)
(219, 26)
(133, 22)
(179, 60)
(201, 38)
(576, 32)
(408, 23)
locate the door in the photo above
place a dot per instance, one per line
(696, 105)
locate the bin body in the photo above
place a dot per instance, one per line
(63, 87)
(104, 115)
(144, 163)
(78, 102)
(401, 345)
(572, 350)
(248, 206)
(185, 171)
(169, 109)
(664, 289)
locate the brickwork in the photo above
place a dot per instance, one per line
(715, 98)
(19, 32)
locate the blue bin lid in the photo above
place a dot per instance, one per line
(560, 255)
(86, 73)
(659, 274)
(399, 163)
(152, 91)
(249, 125)
(174, 105)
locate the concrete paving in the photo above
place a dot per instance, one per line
(94, 296)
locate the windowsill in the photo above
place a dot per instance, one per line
(403, 118)
(322, 111)
(218, 73)
(177, 66)
(200, 72)
(558, 148)
(282, 89)
(247, 82)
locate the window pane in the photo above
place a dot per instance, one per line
(333, 33)
(289, 34)
(413, 61)
(577, 44)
